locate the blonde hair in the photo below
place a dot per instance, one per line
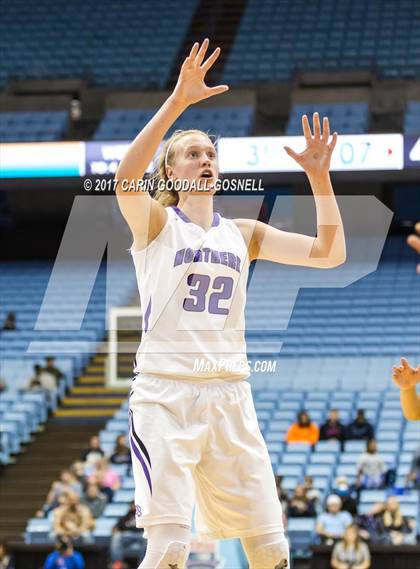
(166, 158)
(392, 518)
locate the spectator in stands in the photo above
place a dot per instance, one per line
(369, 524)
(53, 370)
(107, 479)
(94, 500)
(64, 556)
(127, 539)
(350, 552)
(360, 428)
(73, 519)
(300, 505)
(331, 524)
(413, 475)
(370, 468)
(407, 378)
(332, 429)
(5, 561)
(66, 483)
(3, 385)
(343, 489)
(283, 495)
(10, 322)
(121, 453)
(303, 431)
(312, 493)
(395, 528)
(78, 470)
(94, 453)
(42, 379)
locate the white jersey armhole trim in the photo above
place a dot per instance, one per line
(248, 259)
(156, 239)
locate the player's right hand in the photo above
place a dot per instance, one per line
(190, 87)
(405, 376)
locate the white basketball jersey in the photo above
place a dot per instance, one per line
(192, 286)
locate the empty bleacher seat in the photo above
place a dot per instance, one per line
(33, 126)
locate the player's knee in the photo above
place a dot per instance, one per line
(176, 556)
(272, 555)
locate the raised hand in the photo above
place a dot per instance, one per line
(190, 87)
(405, 376)
(414, 241)
(316, 157)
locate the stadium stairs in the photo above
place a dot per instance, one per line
(218, 20)
(25, 484)
(89, 399)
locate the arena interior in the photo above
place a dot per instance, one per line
(78, 81)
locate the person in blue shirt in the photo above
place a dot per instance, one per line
(331, 524)
(64, 556)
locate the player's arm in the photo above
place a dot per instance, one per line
(328, 248)
(145, 216)
(407, 378)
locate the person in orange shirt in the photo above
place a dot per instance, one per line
(303, 431)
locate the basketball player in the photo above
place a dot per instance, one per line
(194, 432)
(407, 378)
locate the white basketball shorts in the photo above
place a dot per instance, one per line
(200, 444)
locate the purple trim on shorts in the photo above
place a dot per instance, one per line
(138, 455)
(147, 315)
(138, 440)
(184, 217)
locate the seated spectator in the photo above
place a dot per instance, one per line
(346, 492)
(350, 552)
(283, 495)
(5, 561)
(73, 519)
(3, 385)
(369, 524)
(121, 453)
(360, 428)
(331, 524)
(10, 322)
(53, 370)
(43, 379)
(370, 468)
(300, 506)
(127, 539)
(413, 475)
(78, 471)
(107, 479)
(43, 382)
(64, 556)
(94, 500)
(312, 493)
(67, 482)
(395, 528)
(332, 429)
(303, 431)
(94, 453)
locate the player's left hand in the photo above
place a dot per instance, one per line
(405, 376)
(316, 157)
